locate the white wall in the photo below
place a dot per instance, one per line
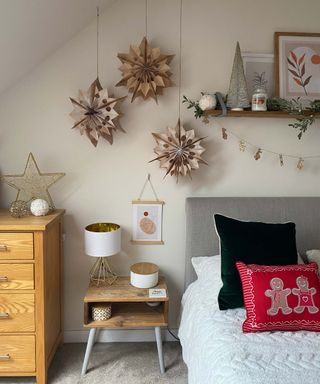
(101, 182)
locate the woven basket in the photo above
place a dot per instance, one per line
(101, 312)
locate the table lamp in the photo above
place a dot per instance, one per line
(102, 240)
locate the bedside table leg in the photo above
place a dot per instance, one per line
(159, 346)
(97, 335)
(90, 343)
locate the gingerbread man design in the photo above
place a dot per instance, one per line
(279, 297)
(305, 296)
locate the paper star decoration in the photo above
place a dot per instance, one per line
(178, 150)
(33, 184)
(145, 71)
(95, 113)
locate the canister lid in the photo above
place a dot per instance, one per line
(144, 268)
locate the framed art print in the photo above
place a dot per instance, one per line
(257, 64)
(147, 222)
(297, 65)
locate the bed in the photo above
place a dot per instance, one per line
(214, 347)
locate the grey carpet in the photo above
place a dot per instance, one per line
(114, 363)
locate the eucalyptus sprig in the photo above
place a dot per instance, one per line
(305, 113)
(302, 123)
(198, 112)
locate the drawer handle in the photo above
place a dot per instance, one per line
(5, 357)
(4, 315)
(3, 248)
(4, 279)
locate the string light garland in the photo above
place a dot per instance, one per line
(258, 150)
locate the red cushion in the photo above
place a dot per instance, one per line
(280, 298)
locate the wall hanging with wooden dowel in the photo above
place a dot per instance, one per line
(147, 218)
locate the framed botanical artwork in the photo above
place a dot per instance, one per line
(259, 65)
(147, 222)
(297, 65)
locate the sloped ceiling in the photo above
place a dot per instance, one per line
(30, 30)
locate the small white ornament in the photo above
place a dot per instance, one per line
(207, 102)
(39, 207)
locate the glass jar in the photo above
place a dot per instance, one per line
(259, 99)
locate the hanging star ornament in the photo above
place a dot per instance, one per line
(33, 184)
(96, 114)
(178, 150)
(145, 71)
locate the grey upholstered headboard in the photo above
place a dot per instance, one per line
(201, 239)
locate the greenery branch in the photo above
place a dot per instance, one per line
(304, 113)
(198, 112)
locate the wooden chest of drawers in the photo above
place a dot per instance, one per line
(31, 316)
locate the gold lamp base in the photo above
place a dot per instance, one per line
(101, 273)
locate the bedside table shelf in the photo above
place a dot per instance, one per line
(129, 309)
(130, 315)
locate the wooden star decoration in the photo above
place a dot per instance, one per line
(145, 71)
(33, 184)
(96, 114)
(178, 150)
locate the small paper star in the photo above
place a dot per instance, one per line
(33, 184)
(96, 114)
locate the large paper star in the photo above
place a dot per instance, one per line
(145, 71)
(33, 184)
(179, 151)
(96, 114)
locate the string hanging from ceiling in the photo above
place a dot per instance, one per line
(95, 113)
(145, 70)
(97, 32)
(146, 19)
(178, 150)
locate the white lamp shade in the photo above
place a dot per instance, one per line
(102, 239)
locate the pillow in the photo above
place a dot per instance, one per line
(314, 256)
(208, 270)
(252, 243)
(207, 266)
(281, 298)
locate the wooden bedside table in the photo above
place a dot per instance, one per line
(129, 310)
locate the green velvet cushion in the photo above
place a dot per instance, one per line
(251, 243)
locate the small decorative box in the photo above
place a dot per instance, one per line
(101, 312)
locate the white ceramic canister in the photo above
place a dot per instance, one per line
(144, 275)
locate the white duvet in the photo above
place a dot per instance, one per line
(217, 351)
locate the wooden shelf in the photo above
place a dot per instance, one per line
(129, 307)
(122, 290)
(274, 114)
(131, 315)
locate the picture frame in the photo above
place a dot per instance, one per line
(257, 63)
(147, 222)
(297, 65)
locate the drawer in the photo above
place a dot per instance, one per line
(17, 312)
(16, 276)
(17, 354)
(16, 246)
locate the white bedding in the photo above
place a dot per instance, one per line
(216, 351)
